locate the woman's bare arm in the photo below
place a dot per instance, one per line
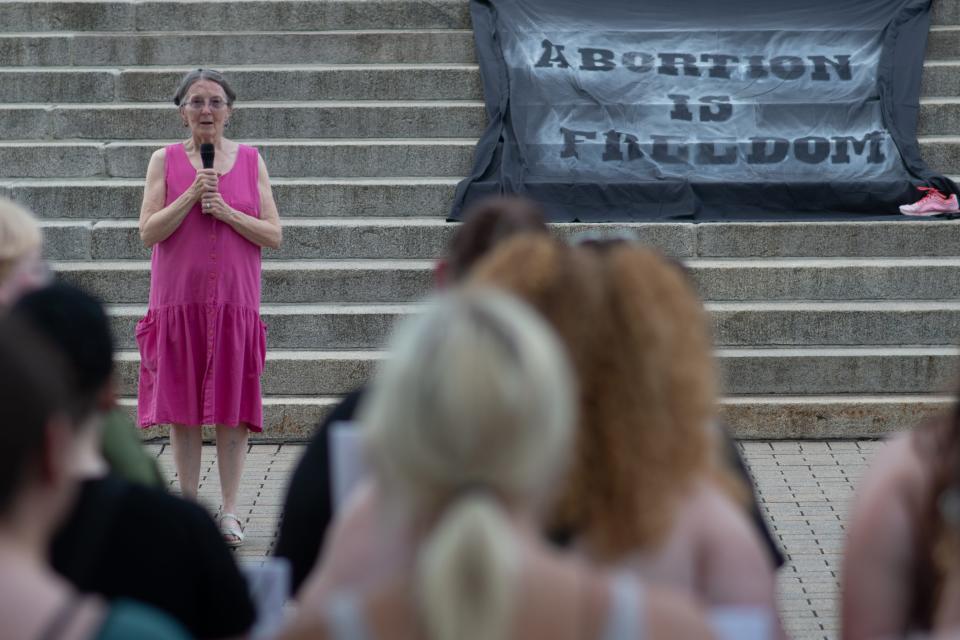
(156, 221)
(879, 558)
(736, 568)
(264, 231)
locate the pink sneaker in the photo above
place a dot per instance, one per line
(932, 204)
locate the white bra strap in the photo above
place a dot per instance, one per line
(742, 623)
(626, 618)
(345, 618)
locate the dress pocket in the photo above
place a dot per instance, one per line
(146, 335)
(263, 347)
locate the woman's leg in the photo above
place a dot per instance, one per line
(187, 444)
(231, 454)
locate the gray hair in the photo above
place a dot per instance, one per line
(19, 234)
(203, 74)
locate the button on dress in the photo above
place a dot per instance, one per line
(202, 343)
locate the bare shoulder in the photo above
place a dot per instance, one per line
(715, 512)
(893, 485)
(736, 568)
(158, 160)
(879, 554)
(261, 164)
(720, 522)
(348, 552)
(896, 465)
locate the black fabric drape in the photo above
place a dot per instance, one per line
(698, 110)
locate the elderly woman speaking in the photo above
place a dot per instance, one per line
(202, 343)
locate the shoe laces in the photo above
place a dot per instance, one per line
(932, 194)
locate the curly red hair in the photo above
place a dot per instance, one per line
(639, 339)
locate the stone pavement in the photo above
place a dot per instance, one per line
(805, 488)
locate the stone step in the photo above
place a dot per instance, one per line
(327, 239)
(943, 42)
(332, 158)
(827, 239)
(939, 116)
(737, 324)
(394, 197)
(301, 82)
(829, 417)
(135, 15)
(364, 44)
(289, 82)
(748, 371)
(840, 323)
(299, 326)
(719, 279)
(241, 47)
(236, 15)
(285, 418)
(941, 78)
(748, 417)
(942, 153)
(315, 119)
(316, 282)
(426, 238)
(946, 13)
(328, 197)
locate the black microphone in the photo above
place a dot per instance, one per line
(206, 154)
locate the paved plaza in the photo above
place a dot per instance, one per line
(805, 488)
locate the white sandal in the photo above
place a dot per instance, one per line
(235, 531)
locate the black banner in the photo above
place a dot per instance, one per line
(701, 110)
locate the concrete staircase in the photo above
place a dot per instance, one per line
(366, 112)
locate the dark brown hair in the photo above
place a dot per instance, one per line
(203, 74)
(33, 389)
(488, 223)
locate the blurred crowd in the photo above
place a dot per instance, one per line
(540, 457)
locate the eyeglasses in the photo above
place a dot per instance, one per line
(197, 104)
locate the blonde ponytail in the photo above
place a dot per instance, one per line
(467, 573)
(474, 411)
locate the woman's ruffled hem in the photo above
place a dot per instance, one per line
(201, 365)
(251, 426)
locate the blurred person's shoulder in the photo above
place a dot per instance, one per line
(716, 521)
(887, 513)
(154, 507)
(900, 469)
(735, 567)
(711, 509)
(137, 508)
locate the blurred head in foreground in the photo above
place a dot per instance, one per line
(640, 343)
(37, 438)
(76, 323)
(467, 425)
(485, 225)
(21, 263)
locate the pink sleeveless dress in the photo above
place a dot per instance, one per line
(202, 343)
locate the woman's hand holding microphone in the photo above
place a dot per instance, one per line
(205, 190)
